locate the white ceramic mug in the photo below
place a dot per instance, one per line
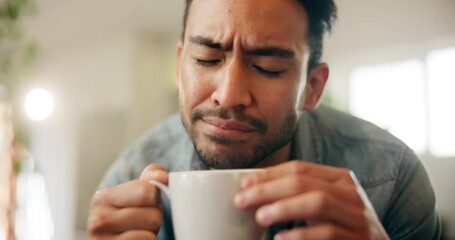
(202, 206)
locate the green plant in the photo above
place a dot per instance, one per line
(16, 50)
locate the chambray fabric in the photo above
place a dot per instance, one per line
(390, 173)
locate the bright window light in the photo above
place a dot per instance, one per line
(39, 104)
(33, 214)
(441, 85)
(2, 233)
(393, 97)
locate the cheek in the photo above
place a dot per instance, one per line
(278, 107)
(194, 87)
(280, 99)
(278, 104)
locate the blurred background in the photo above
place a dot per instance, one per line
(89, 77)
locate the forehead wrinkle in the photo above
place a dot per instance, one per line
(245, 24)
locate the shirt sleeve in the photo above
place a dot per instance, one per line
(119, 172)
(412, 208)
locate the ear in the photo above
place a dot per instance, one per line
(179, 58)
(315, 86)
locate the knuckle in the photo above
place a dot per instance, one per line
(146, 193)
(320, 202)
(258, 191)
(330, 232)
(99, 198)
(262, 175)
(297, 182)
(97, 222)
(298, 167)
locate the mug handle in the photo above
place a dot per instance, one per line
(162, 187)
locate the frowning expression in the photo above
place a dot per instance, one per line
(240, 69)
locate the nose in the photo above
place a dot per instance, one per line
(232, 89)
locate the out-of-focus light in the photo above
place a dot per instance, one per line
(2, 233)
(441, 98)
(376, 94)
(33, 214)
(39, 104)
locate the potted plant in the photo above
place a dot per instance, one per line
(16, 53)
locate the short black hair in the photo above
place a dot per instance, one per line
(321, 14)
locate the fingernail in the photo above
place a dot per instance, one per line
(263, 216)
(155, 174)
(279, 237)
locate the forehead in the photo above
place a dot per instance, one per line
(251, 22)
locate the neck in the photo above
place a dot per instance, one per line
(280, 156)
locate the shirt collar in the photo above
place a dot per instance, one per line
(307, 141)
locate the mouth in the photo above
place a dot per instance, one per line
(228, 128)
(228, 124)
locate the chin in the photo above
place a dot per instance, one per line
(220, 156)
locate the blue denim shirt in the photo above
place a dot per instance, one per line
(390, 173)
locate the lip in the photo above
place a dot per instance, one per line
(227, 127)
(228, 124)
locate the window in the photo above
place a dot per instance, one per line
(441, 102)
(412, 99)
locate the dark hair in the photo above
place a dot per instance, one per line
(321, 14)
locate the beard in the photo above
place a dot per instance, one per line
(224, 153)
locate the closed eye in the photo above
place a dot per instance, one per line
(204, 62)
(267, 73)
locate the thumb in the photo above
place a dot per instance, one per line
(155, 172)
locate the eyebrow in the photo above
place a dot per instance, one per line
(260, 51)
(271, 52)
(205, 41)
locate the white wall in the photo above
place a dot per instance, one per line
(84, 79)
(104, 61)
(108, 93)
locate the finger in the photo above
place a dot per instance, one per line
(319, 232)
(112, 220)
(155, 172)
(316, 205)
(136, 235)
(293, 185)
(130, 194)
(327, 173)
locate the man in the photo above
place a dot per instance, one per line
(250, 81)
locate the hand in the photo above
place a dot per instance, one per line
(328, 199)
(132, 210)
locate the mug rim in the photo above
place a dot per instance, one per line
(216, 171)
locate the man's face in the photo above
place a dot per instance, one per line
(240, 71)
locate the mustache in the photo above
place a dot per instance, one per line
(234, 113)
